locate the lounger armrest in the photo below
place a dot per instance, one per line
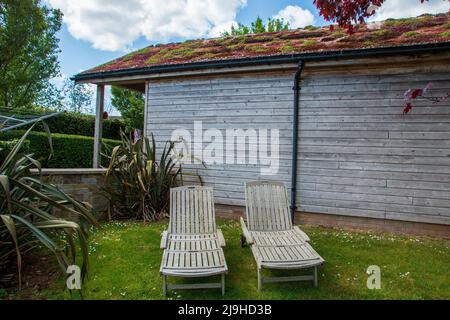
(302, 234)
(164, 239)
(221, 238)
(246, 233)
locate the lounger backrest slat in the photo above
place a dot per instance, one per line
(192, 210)
(267, 206)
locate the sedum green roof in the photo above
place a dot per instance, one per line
(425, 29)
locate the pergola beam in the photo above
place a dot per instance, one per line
(99, 109)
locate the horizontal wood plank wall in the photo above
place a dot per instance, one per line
(358, 155)
(245, 101)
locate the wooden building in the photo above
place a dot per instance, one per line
(358, 161)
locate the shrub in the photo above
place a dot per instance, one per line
(138, 184)
(82, 125)
(26, 215)
(7, 146)
(69, 151)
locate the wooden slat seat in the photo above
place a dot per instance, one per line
(275, 242)
(286, 256)
(277, 238)
(192, 244)
(192, 263)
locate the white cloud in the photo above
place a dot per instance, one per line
(296, 16)
(409, 8)
(115, 24)
(219, 29)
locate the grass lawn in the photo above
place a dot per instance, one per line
(125, 259)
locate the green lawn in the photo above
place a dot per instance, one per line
(125, 259)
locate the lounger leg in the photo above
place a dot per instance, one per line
(316, 280)
(223, 285)
(165, 285)
(260, 282)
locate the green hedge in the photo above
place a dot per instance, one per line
(82, 125)
(6, 147)
(70, 151)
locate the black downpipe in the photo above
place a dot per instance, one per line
(296, 88)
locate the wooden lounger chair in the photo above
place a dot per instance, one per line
(275, 243)
(192, 244)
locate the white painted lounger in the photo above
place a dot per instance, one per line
(192, 244)
(275, 243)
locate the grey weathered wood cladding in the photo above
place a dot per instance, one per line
(358, 155)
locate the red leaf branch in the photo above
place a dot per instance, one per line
(346, 13)
(414, 94)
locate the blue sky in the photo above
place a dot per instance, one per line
(79, 55)
(97, 31)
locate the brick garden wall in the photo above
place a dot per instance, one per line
(81, 184)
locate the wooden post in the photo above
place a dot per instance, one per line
(144, 133)
(98, 125)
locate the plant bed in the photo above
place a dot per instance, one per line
(38, 271)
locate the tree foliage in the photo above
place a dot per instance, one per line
(258, 26)
(51, 97)
(77, 97)
(28, 50)
(347, 12)
(130, 104)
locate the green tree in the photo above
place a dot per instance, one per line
(274, 25)
(77, 97)
(50, 97)
(258, 26)
(131, 106)
(28, 50)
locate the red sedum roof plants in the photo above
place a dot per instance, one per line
(424, 29)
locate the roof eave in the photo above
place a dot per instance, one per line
(276, 59)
